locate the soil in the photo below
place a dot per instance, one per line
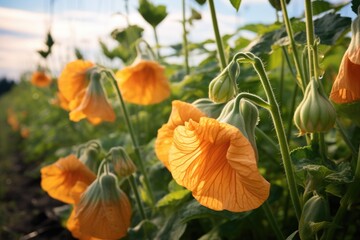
(26, 211)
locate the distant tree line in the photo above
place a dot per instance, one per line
(5, 85)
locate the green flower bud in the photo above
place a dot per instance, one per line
(90, 157)
(250, 114)
(315, 113)
(314, 217)
(208, 107)
(123, 165)
(243, 115)
(231, 114)
(222, 88)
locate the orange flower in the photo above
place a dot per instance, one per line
(25, 132)
(181, 112)
(59, 178)
(93, 105)
(72, 223)
(12, 120)
(143, 83)
(217, 163)
(40, 79)
(346, 87)
(74, 78)
(104, 210)
(62, 102)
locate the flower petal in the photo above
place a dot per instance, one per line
(217, 163)
(144, 83)
(346, 87)
(181, 112)
(59, 178)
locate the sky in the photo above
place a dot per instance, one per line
(82, 23)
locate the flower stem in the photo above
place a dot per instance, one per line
(157, 44)
(272, 221)
(310, 38)
(133, 138)
(137, 196)
(279, 126)
(300, 74)
(219, 43)
(185, 43)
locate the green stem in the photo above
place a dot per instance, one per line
(133, 138)
(157, 44)
(292, 110)
(300, 74)
(279, 127)
(185, 43)
(219, 43)
(137, 196)
(309, 37)
(272, 221)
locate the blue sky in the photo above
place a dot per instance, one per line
(81, 23)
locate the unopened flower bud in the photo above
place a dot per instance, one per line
(250, 114)
(315, 113)
(222, 88)
(208, 107)
(90, 158)
(104, 210)
(315, 212)
(123, 165)
(243, 115)
(231, 114)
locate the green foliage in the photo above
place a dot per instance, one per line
(235, 4)
(323, 169)
(152, 14)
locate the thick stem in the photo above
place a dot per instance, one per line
(279, 127)
(300, 74)
(272, 221)
(309, 37)
(219, 43)
(133, 138)
(185, 43)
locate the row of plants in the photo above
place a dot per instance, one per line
(261, 133)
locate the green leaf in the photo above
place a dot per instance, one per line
(329, 28)
(236, 4)
(153, 14)
(127, 36)
(201, 2)
(78, 54)
(173, 197)
(320, 6)
(49, 41)
(355, 5)
(276, 4)
(143, 230)
(171, 229)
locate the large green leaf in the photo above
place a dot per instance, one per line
(153, 14)
(329, 28)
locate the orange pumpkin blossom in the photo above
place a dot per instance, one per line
(143, 83)
(181, 112)
(59, 178)
(217, 163)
